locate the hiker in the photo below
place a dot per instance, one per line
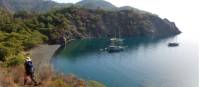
(29, 71)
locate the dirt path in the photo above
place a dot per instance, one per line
(42, 54)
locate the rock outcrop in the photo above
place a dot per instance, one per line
(84, 23)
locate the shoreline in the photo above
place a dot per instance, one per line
(45, 75)
(42, 54)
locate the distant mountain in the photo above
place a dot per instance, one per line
(96, 4)
(46, 5)
(102, 4)
(126, 8)
(31, 5)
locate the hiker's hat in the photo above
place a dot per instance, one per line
(28, 58)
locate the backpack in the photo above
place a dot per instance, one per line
(29, 66)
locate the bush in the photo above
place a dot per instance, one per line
(15, 60)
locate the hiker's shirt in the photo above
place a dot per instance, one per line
(29, 67)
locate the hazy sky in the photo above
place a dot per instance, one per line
(185, 13)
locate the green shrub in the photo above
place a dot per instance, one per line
(15, 60)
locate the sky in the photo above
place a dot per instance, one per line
(185, 13)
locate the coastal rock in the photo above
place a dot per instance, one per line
(87, 23)
(163, 26)
(122, 24)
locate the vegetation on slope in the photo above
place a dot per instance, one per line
(18, 35)
(14, 76)
(75, 22)
(15, 37)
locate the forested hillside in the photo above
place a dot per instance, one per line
(75, 22)
(16, 37)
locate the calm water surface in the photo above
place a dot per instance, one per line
(145, 63)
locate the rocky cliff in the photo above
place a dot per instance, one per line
(74, 22)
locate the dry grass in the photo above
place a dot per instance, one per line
(6, 78)
(14, 77)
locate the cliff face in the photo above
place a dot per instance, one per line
(121, 23)
(131, 23)
(75, 22)
(164, 27)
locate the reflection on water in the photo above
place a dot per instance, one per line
(145, 63)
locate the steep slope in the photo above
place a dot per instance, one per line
(74, 22)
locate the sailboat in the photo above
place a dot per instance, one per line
(173, 44)
(116, 39)
(113, 48)
(115, 44)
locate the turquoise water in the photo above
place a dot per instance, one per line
(145, 63)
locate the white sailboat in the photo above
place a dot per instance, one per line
(115, 44)
(173, 44)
